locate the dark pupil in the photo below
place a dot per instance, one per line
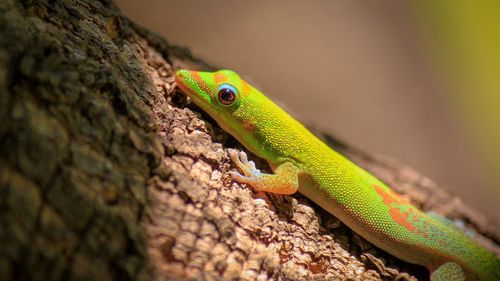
(226, 96)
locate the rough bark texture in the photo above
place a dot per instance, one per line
(108, 173)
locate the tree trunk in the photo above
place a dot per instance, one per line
(108, 173)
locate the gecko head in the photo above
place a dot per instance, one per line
(238, 108)
(215, 92)
(220, 94)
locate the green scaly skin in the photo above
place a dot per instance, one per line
(301, 162)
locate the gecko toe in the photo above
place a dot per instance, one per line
(243, 157)
(240, 159)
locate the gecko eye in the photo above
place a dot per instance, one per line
(227, 94)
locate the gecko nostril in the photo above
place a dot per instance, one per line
(180, 74)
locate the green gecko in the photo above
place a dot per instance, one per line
(302, 162)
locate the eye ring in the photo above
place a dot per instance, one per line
(226, 94)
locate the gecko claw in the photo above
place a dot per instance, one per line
(240, 159)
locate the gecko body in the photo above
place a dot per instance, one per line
(302, 162)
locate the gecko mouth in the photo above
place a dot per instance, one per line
(199, 99)
(179, 80)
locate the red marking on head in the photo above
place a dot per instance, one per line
(196, 76)
(245, 87)
(220, 77)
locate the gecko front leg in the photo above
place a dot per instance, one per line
(285, 179)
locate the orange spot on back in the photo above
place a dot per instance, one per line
(401, 218)
(388, 196)
(395, 202)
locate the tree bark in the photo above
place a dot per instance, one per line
(108, 173)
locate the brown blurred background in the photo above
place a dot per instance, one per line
(380, 75)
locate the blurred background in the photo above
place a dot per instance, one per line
(418, 82)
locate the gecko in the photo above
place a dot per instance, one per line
(301, 162)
